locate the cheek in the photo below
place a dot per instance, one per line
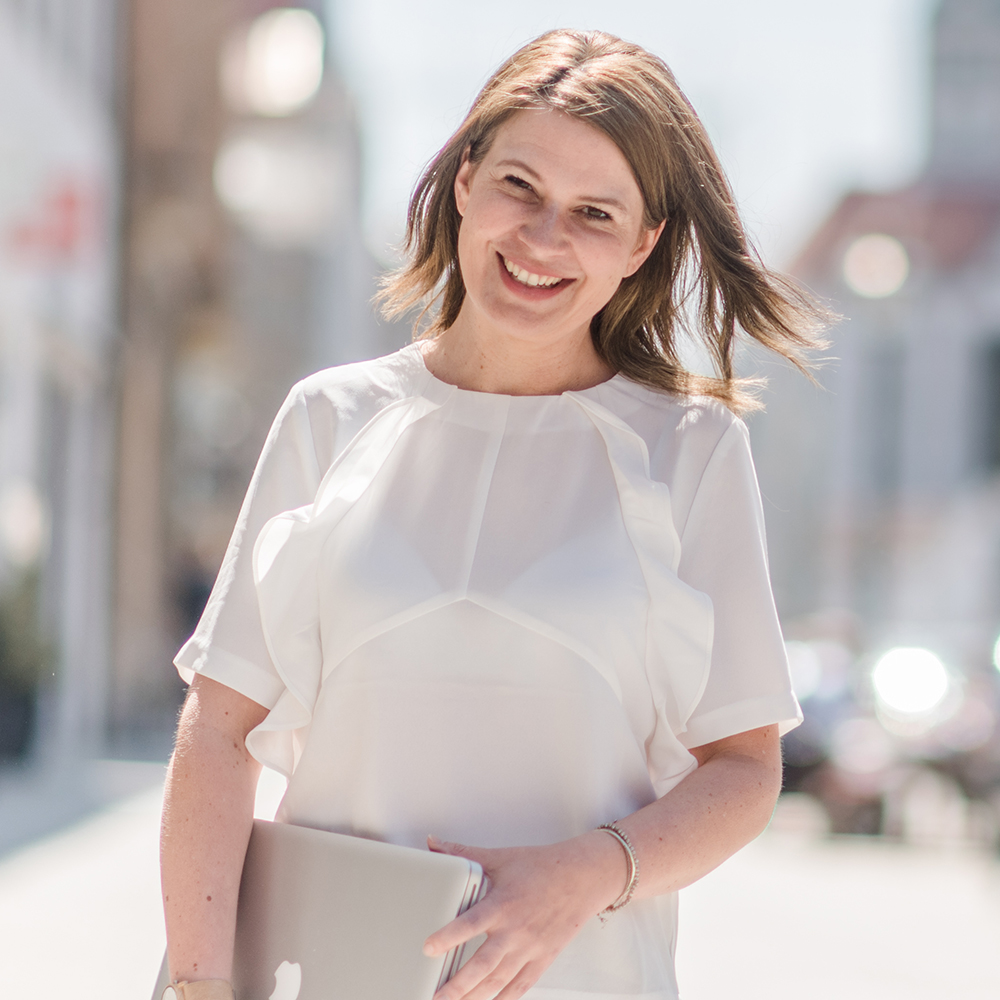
(475, 254)
(492, 214)
(488, 225)
(469, 266)
(476, 229)
(608, 258)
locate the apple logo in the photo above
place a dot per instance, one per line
(287, 981)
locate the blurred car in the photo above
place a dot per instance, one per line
(896, 744)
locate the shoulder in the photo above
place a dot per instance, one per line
(334, 404)
(670, 424)
(362, 385)
(690, 440)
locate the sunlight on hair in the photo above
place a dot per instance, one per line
(275, 67)
(910, 681)
(876, 266)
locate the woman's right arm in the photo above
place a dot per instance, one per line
(207, 817)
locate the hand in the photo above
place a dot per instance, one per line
(538, 899)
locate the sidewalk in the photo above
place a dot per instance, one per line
(79, 911)
(795, 919)
(787, 918)
(36, 800)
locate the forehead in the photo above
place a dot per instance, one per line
(565, 151)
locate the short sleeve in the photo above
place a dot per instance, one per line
(723, 554)
(228, 644)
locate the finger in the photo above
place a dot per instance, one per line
(476, 920)
(438, 846)
(485, 966)
(493, 984)
(522, 982)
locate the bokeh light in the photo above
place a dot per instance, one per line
(24, 523)
(910, 681)
(284, 188)
(861, 746)
(969, 728)
(806, 668)
(996, 653)
(876, 266)
(276, 66)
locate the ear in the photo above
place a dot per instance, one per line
(463, 183)
(647, 241)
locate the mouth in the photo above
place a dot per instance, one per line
(529, 279)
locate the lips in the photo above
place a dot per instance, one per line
(529, 278)
(529, 284)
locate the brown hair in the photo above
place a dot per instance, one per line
(702, 277)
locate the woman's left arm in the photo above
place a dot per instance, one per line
(540, 897)
(710, 815)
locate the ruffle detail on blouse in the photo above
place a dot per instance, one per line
(680, 623)
(287, 561)
(285, 567)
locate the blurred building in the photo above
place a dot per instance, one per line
(179, 243)
(244, 271)
(59, 174)
(883, 489)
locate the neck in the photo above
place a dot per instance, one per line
(466, 357)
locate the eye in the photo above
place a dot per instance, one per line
(596, 213)
(518, 182)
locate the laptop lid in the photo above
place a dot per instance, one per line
(323, 916)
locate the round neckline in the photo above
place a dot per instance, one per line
(440, 384)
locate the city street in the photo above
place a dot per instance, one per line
(212, 206)
(789, 917)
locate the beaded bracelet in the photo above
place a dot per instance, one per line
(633, 865)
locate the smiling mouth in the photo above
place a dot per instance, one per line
(529, 278)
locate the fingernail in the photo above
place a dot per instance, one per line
(428, 950)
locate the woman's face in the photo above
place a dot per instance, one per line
(551, 224)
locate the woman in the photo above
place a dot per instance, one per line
(508, 585)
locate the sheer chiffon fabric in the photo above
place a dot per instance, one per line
(499, 619)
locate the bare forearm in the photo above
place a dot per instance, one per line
(540, 897)
(207, 817)
(710, 815)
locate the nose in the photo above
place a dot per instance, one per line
(544, 232)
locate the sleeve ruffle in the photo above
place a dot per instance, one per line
(680, 619)
(285, 573)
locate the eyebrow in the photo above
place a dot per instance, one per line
(595, 200)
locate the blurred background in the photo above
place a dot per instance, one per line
(197, 199)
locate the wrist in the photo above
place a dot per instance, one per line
(201, 989)
(608, 868)
(614, 831)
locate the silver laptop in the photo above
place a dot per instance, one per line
(323, 916)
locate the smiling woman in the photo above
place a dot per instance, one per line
(552, 222)
(508, 585)
(596, 131)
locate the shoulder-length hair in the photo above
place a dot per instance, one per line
(702, 278)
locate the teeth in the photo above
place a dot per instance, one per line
(527, 278)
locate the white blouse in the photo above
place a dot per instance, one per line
(499, 619)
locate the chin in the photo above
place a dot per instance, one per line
(520, 324)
